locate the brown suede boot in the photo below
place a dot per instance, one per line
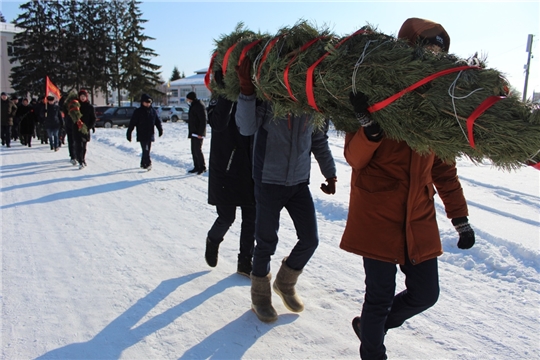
(286, 279)
(261, 298)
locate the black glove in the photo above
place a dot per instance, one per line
(160, 132)
(330, 187)
(244, 77)
(465, 231)
(94, 130)
(218, 77)
(360, 105)
(128, 136)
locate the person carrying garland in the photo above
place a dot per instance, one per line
(392, 217)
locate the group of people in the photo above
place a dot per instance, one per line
(27, 120)
(261, 164)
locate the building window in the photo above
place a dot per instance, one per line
(10, 49)
(174, 92)
(185, 91)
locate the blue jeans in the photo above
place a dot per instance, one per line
(53, 137)
(383, 310)
(270, 200)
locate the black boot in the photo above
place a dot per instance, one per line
(244, 265)
(211, 253)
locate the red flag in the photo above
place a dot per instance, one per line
(51, 89)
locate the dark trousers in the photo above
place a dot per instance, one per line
(6, 134)
(80, 148)
(26, 140)
(145, 157)
(383, 310)
(71, 144)
(226, 217)
(196, 153)
(270, 200)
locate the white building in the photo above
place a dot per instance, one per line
(178, 89)
(7, 33)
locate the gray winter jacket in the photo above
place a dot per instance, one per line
(282, 147)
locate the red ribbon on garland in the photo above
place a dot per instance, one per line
(382, 104)
(311, 70)
(226, 58)
(265, 55)
(286, 72)
(209, 71)
(486, 104)
(246, 49)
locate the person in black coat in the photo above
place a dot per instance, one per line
(230, 183)
(69, 125)
(27, 124)
(196, 131)
(145, 118)
(81, 131)
(52, 121)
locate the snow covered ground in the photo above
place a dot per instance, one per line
(108, 263)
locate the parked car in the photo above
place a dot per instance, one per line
(99, 110)
(174, 113)
(118, 116)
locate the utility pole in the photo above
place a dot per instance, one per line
(529, 50)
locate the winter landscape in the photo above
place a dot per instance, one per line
(108, 263)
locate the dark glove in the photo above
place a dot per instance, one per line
(244, 76)
(330, 187)
(218, 77)
(360, 105)
(94, 130)
(466, 233)
(160, 132)
(128, 136)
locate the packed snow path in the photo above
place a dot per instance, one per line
(108, 263)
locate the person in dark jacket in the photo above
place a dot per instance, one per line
(145, 118)
(196, 131)
(27, 123)
(281, 172)
(81, 131)
(8, 111)
(53, 121)
(392, 217)
(229, 182)
(16, 118)
(69, 125)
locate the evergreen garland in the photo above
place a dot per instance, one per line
(430, 118)
(72, 107)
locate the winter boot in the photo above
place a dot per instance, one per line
(356, 326)
(211, 253)
(244, 265)
(261, 298)
(286, 279)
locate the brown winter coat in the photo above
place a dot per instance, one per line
(391, 207)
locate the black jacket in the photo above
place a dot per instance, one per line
(197, 119)
(51, 117)
(144, 119)
(229, 180)
(28, 119)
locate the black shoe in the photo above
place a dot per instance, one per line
(211, 253)
(193, 171)
(356, 326)
(244, 265)
(201, 171)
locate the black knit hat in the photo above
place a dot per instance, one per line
(191, 96)
(146, 98)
